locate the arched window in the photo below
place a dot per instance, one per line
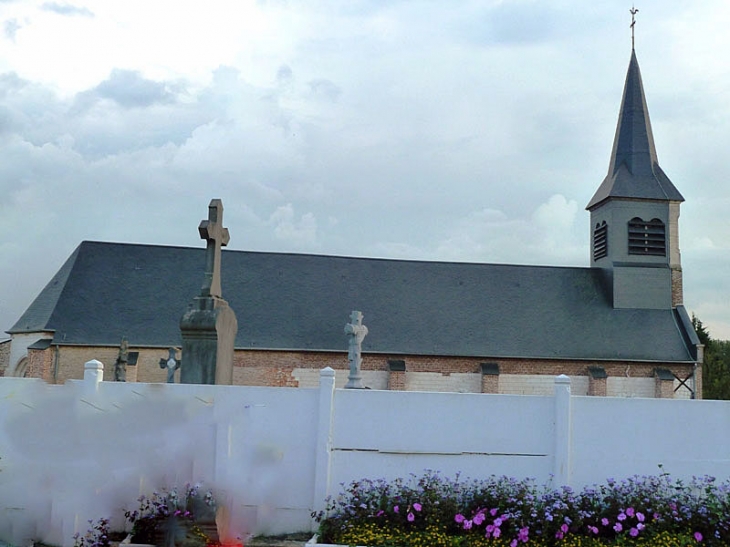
(600, 241)
(647, 238)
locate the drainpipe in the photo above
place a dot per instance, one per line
(55, 363)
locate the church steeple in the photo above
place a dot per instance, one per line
(634, 172)
(635, 211)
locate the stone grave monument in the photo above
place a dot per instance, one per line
(209, 326)
(356, 332)
(120, 365)
(171, 364)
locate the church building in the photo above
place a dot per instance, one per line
(617, 328)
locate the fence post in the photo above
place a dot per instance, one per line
(93, 375)
(563, 432)
(323, 444)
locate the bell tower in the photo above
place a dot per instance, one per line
(635, 212)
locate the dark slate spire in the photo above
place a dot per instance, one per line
(634, 172)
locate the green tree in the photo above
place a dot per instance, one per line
(716, 364)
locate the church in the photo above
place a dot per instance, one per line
(617, 327)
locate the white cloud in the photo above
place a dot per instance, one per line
(298, 232)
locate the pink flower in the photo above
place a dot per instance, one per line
(417, 506)
(411, 517)
(698, 537)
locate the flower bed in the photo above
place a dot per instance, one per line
(506, 512)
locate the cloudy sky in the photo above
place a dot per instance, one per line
(457, 131)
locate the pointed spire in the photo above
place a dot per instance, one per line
(634, 171)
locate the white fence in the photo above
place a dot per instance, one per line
(88, 449)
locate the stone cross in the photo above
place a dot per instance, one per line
(171, 364)
(356, 332)
(217, 236)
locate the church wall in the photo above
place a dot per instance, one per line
(4, 356)
(71, 361)
(422, 373)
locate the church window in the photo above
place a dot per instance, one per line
(647, 238)
(600, 241)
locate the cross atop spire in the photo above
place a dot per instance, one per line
(633, 11)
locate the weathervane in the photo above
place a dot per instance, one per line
(633, 12)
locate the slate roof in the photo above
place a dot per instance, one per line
(634, 171)
(302, 302)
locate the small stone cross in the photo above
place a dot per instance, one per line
(217, 236)
(356, 332)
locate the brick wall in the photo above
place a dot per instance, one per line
(422, 373)
(4, 356)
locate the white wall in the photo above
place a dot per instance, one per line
(85, 450)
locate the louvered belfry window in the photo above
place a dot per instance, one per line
(600, 241)
(647, 238)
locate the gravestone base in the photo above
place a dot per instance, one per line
(208, 332)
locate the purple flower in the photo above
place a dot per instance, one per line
(524, 534)
(411, 517)
(698, 537)
(564, 528)
(633, 532)
(593, 530)
(513, 543)
(497, 532)
(640, 527)
(467, 525)
(630, 512)
(396, 509)
(640, 517)
(617, 527)
(479, 518)
(380, 513)
(604, 521)
(459, 518)
(493, 512)
(621, 517)
(498, 522)
(559, 535)
(490, 528)
(417, 506)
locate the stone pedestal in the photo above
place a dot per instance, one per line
(208, 332)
